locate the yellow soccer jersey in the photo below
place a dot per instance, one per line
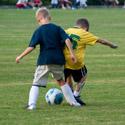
(80, 38)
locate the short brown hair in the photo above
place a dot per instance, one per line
(82, 22)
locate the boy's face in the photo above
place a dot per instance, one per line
(40, 19)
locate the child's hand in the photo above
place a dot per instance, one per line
(73, 58)
(18, 59)
(114, 46)
(24, 53)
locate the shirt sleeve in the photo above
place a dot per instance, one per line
(90, 38)
(35, 39)
(63, 35)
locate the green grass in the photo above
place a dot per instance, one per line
(104, 91)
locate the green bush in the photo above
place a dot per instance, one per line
(7, 2)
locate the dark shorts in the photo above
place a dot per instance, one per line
(76, 74)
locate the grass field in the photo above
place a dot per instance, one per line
(104, 91)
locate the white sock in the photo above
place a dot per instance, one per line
(67, 92)
(33, 95)
(76, 93)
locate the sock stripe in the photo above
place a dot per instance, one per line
(39, 86)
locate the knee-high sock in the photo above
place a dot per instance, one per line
(33, 95)
(78, 89)
(67, 92)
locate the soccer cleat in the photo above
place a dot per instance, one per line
(80, 101)
(30, 107)
(76, 104)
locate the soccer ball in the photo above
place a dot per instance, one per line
(54, 96)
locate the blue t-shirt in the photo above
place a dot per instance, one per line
(51, 39)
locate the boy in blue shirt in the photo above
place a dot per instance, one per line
(51, 38)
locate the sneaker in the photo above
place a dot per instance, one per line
(76, 104)
(80, 101)
(30, 107)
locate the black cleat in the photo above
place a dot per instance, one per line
(80, 101)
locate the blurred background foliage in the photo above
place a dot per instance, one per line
(47, 2)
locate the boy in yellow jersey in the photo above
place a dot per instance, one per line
(80, 39)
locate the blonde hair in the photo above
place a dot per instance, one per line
(43, 11)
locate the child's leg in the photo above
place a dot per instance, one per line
(33, 95)
(79, 86)
(40, 80)
(77, 90)
(57, 72)
(69, 81)
(67, 92)
(79, 76)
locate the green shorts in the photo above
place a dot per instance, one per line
(42, 72)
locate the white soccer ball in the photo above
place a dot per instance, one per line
(54, 96)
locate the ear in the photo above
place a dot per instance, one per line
(85, 28)
(49, 17)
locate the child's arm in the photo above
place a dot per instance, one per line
(107, 43)
(69, 45)
(24, 53)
